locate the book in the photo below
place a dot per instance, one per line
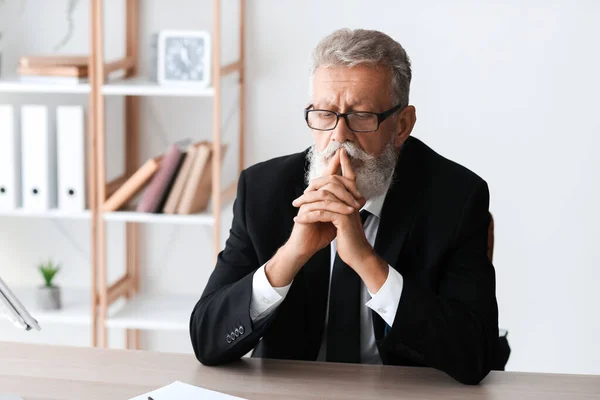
(182, 176)
(133, 185)
(157, 190)
(56, 70)
(167, 191)
(43, 61)
(198, 189)
(196, 193)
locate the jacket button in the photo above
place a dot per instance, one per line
(241, 328)
(229, 339)
(237, 332)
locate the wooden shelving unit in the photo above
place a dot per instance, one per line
(103, 306)
(142, 311)
(79, 303)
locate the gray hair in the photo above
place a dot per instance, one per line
(350, 48)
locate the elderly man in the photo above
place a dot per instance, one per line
(368, 247)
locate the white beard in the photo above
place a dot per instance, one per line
(372, 173)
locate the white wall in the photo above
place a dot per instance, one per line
(508, 89)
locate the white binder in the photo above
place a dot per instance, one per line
(10, 160)
(70, 145)
(38, 151)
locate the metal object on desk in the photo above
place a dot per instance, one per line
(14, 310)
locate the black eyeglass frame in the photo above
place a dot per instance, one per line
(380, 117)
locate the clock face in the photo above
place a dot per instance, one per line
(184, 58)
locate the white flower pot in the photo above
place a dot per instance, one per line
(48, 298)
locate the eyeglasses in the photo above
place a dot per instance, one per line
(357, 121)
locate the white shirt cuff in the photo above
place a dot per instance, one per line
(265, 298)
(385, 301)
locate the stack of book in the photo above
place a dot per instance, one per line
(54, 69)
(177, 182)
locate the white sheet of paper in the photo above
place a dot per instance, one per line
(182, 391)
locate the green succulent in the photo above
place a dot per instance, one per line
(48, 271)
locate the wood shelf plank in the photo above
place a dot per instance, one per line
(76, 309)
(15, 85)
(160, 312)
(143, 86)
(151, 218)
(49, 214)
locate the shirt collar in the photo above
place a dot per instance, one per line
(375, 204)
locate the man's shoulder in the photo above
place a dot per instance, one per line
(448, 187)
(442, 169)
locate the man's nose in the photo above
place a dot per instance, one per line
(342, 133)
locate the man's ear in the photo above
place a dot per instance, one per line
(406, 120)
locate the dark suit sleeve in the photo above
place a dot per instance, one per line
(224, 307)
(454, 329)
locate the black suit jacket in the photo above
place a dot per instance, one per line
(433, 231)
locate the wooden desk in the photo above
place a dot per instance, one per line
(50, 372)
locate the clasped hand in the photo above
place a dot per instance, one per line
(328, 209)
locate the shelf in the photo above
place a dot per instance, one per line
(140, 86)
(150, 218)
(76, 306)
(15, 85)
(161, 312)
(51, 214)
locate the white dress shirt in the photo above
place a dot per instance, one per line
(266, 298)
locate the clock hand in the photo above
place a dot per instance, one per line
(185, 57)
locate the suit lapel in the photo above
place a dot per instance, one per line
(401, 204)
(400, 209)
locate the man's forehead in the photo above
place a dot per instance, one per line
(357, 84)
(361, 85)
(333, 99)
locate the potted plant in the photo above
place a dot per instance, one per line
(48, 295)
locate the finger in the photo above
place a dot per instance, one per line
(349, 184)
(311, 197)
(332, 191)
(334, 165)
(326, 205)
(341, 194)
(316, 216)
(347, 170)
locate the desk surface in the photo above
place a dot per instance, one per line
(39, 372)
